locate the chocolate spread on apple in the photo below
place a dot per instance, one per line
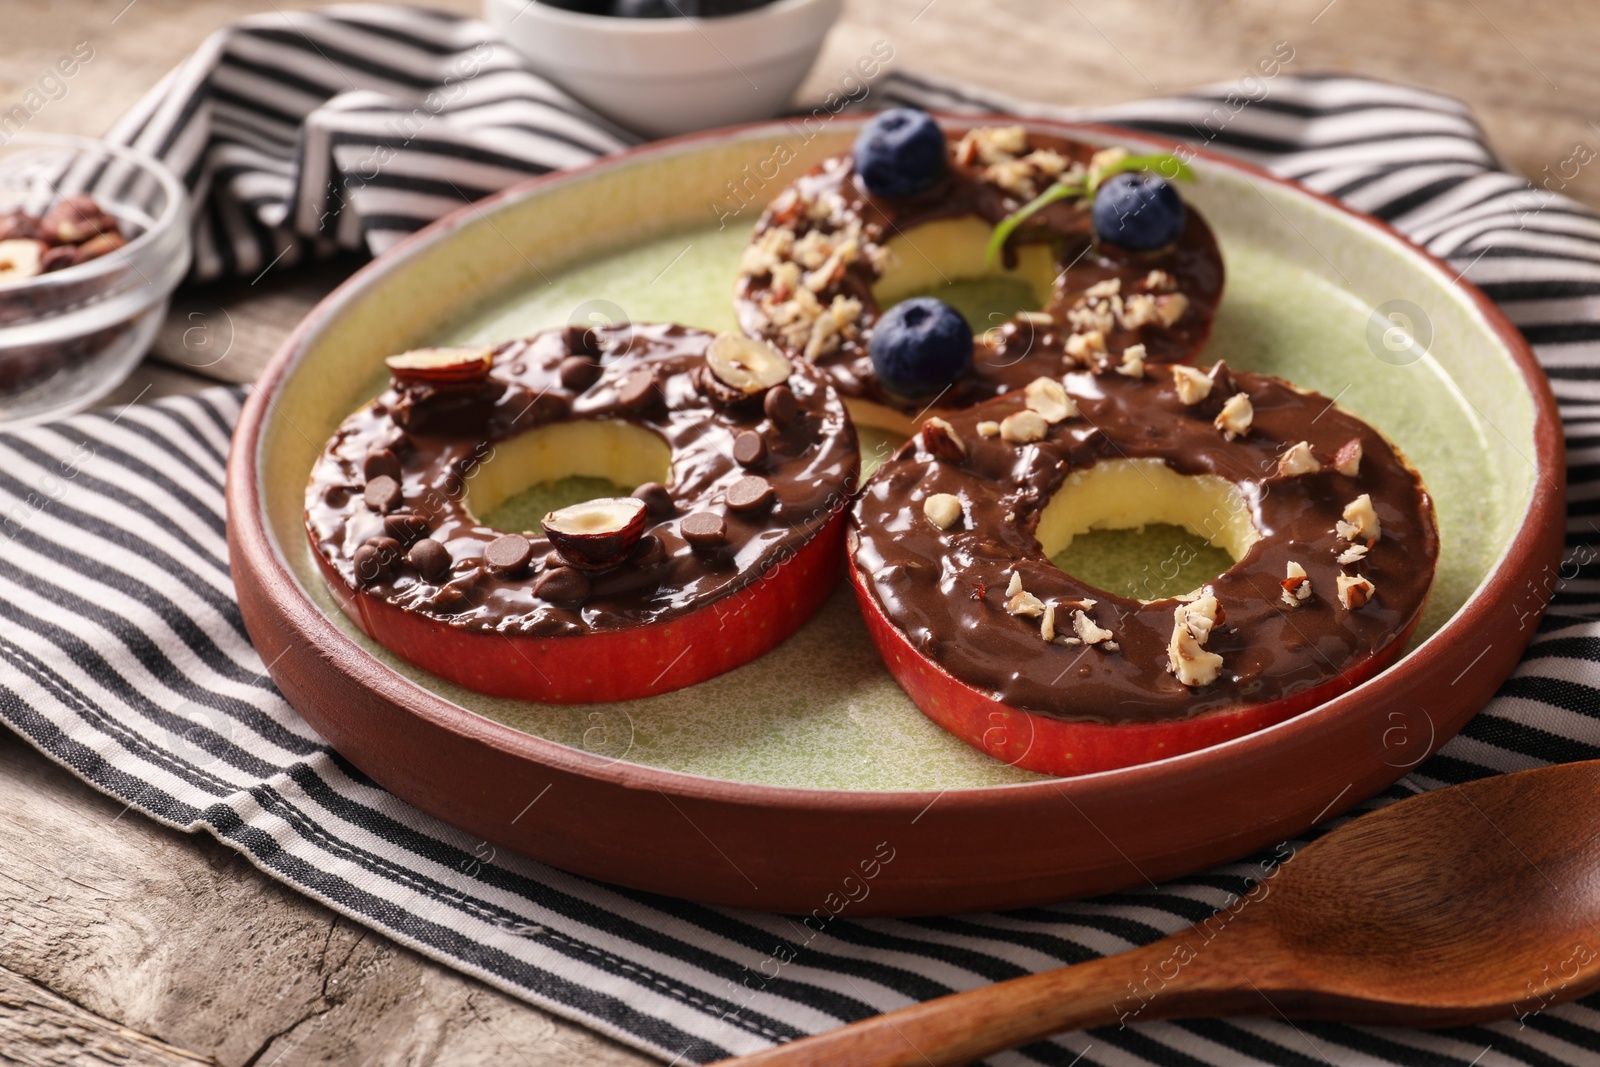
(386, 503)
(806, 282)
(943, 574)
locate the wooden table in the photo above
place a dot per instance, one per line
(122, 942)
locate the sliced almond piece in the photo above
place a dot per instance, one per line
(597, 533)
(1047, 624)
(1014, 586)
(942, 509)
(434, 366)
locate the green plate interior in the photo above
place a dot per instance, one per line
(820, 711)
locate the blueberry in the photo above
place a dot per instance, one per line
(900, 152)
(1138, 210)
(920, 346)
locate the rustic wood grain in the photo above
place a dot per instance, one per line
(116, 934)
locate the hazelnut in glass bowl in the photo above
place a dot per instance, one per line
(93, 239)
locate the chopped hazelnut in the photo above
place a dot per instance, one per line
(1049, 399)
(1109, 287)
(1036, 318)
(1186, 654)
(988, 428)
(1236, 415)
(1296, 460)
(1348, 461)
(992, 144)
(1360, 521)
(1021, 427)
(1088, 631)
(1025, 603)
(1355, 592)
(1132, 363)
(1138, 310)
(1083, 347)
(1158, 281)
(940, 439)
(1353, 554)
(1171, 306)
(1107, 157)
(942, 509)
(1193, 385)
(1297, 586)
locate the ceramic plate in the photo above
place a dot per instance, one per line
(770, 785)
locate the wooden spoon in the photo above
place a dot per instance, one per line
(1466, 904)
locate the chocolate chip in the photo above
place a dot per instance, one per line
(562, 585)
(779, 405)
(405, 527)
(704, 529)
(649, 551)
(58, 258)
(548, 407)
(381, 462)
(581, 340)
(16, 225)
(749, 449)
(431, 559)
(750, 493)
(376, 560)
(382, 494)
(369, 568)
(637, 390)
(578, 372)
(508, 554)
(656, 500)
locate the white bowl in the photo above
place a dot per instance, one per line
(661, 77)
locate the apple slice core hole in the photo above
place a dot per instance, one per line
(1130, 494)
(612, 455)
(947, 259)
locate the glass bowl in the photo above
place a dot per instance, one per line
(69, 337)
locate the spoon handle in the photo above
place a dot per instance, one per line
(1167, 979)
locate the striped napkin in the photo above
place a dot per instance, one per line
(123, 656)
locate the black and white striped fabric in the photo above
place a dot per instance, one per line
(308, 132)
(123, 657)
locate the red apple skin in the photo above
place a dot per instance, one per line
(611, 665)
(1050, 746)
